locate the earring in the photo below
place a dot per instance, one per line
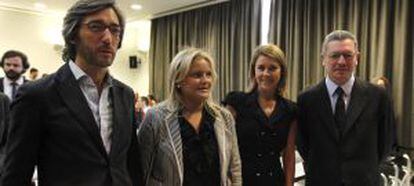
(178, 86)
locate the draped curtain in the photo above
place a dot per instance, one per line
(384, 29)
(229, 31)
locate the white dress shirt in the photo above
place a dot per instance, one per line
(100, 105)
(8, 87)
(347, 87)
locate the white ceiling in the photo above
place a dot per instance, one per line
(150, 8)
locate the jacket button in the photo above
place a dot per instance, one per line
(259, 155)
(262, 133)
(258, 174)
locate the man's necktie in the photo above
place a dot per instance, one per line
(14, 89)
(340, 116)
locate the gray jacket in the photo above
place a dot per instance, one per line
(160, 146)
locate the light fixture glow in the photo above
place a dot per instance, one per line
(136, 7)
(40, 6)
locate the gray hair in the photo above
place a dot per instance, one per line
(338, 35)
(179, 68)
(74, 18)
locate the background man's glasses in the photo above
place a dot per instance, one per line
(347, 55)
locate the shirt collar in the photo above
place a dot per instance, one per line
(19, 81)
(80, 74)
(77, 72)
(347, 86)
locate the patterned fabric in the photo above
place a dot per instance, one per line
(160, 144)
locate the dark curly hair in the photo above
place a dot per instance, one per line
(15, 53)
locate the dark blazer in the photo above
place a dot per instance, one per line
(52, 127)
(4, 115)
(1, 85)
(4, 109)
(350, 158)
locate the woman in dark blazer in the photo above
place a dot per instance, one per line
(265, 121)
(189, 140)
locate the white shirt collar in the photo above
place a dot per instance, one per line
(347, 86)
(19, 81)
(79, 73)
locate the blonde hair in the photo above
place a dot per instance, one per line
(275, 53)
(386, 86)
(179, 68)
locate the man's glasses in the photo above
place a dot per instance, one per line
(347, 55)
(100, 27)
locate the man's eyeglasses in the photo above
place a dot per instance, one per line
(347, 55)
(99, 27)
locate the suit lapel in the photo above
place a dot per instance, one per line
(119, 109)
(74, 99)
(221, 136)
(174, 134)
(356, 104)
(326, 109)
(1, 85)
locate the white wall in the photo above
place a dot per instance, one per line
(28, 33)
(36, 35)
(136, 40)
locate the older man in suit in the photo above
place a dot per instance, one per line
(76, 125)
(345, 124)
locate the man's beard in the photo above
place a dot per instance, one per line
(12, 75)
(92, 56)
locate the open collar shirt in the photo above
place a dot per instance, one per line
(100, 105)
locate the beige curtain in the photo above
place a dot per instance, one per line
(384, 29)
(170, 34)
(229, 31)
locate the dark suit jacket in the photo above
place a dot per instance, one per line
(350, 158)
(52, 127)
(4, 111)
(1, 85)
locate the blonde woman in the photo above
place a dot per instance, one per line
(265, 121)
(188, 140)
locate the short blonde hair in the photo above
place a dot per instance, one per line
(179, 68)
(275, 53)
(386, 85)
